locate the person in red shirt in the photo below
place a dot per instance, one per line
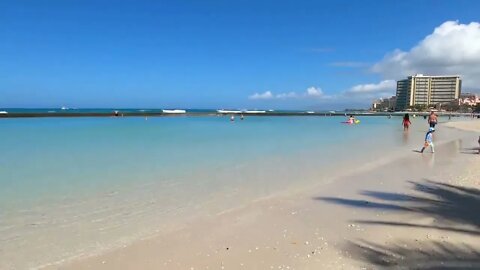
(406, 122)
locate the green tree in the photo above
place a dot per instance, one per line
(477, 108)
(452, 107)
(418, 107)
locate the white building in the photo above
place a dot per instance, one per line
(428, 91)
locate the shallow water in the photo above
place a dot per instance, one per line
(73, 187)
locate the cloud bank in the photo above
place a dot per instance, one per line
(386, 86)
(453, 48)
(314, 92)
(264, 95)
(311, 92)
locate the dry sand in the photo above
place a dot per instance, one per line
(419, 211)
(472, 125)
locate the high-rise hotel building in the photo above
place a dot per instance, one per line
(427, 90)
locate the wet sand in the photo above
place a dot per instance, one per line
(417, 211)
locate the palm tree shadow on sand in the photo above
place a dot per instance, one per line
(453, 209)
(409, 255)
(471, 150)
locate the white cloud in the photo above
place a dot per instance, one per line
(452, 48)
(311, 92)
(264, 95)
(386, 86)
(314, 92)
(287, 95)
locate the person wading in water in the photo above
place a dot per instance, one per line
(432, 119)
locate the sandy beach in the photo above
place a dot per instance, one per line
(473, 125)
(417, 211)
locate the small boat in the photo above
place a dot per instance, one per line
(228, 111)
(255, 111)
(3, 112)
(64, 108)
(174, 111)
(310, 112)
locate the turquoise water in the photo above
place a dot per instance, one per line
(72, 185)
(47, 157)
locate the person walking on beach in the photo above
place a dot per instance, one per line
(406, 122)
(432, 119)
(429, 140)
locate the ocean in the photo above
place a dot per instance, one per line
(75, 187)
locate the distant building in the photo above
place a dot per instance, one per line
(384, 104)
(376, 104)
(469, 99)
(427, 90)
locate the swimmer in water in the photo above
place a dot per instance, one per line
(351, 119)
(432, 119)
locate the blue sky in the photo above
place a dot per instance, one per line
(214, 54)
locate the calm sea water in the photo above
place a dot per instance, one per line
(71, 187)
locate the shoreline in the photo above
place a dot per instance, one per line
(252, 236)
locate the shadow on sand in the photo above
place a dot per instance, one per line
(472, 150)
(410, 255)
(453, 209)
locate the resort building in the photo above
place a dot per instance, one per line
(384, 104)
(427, 91)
